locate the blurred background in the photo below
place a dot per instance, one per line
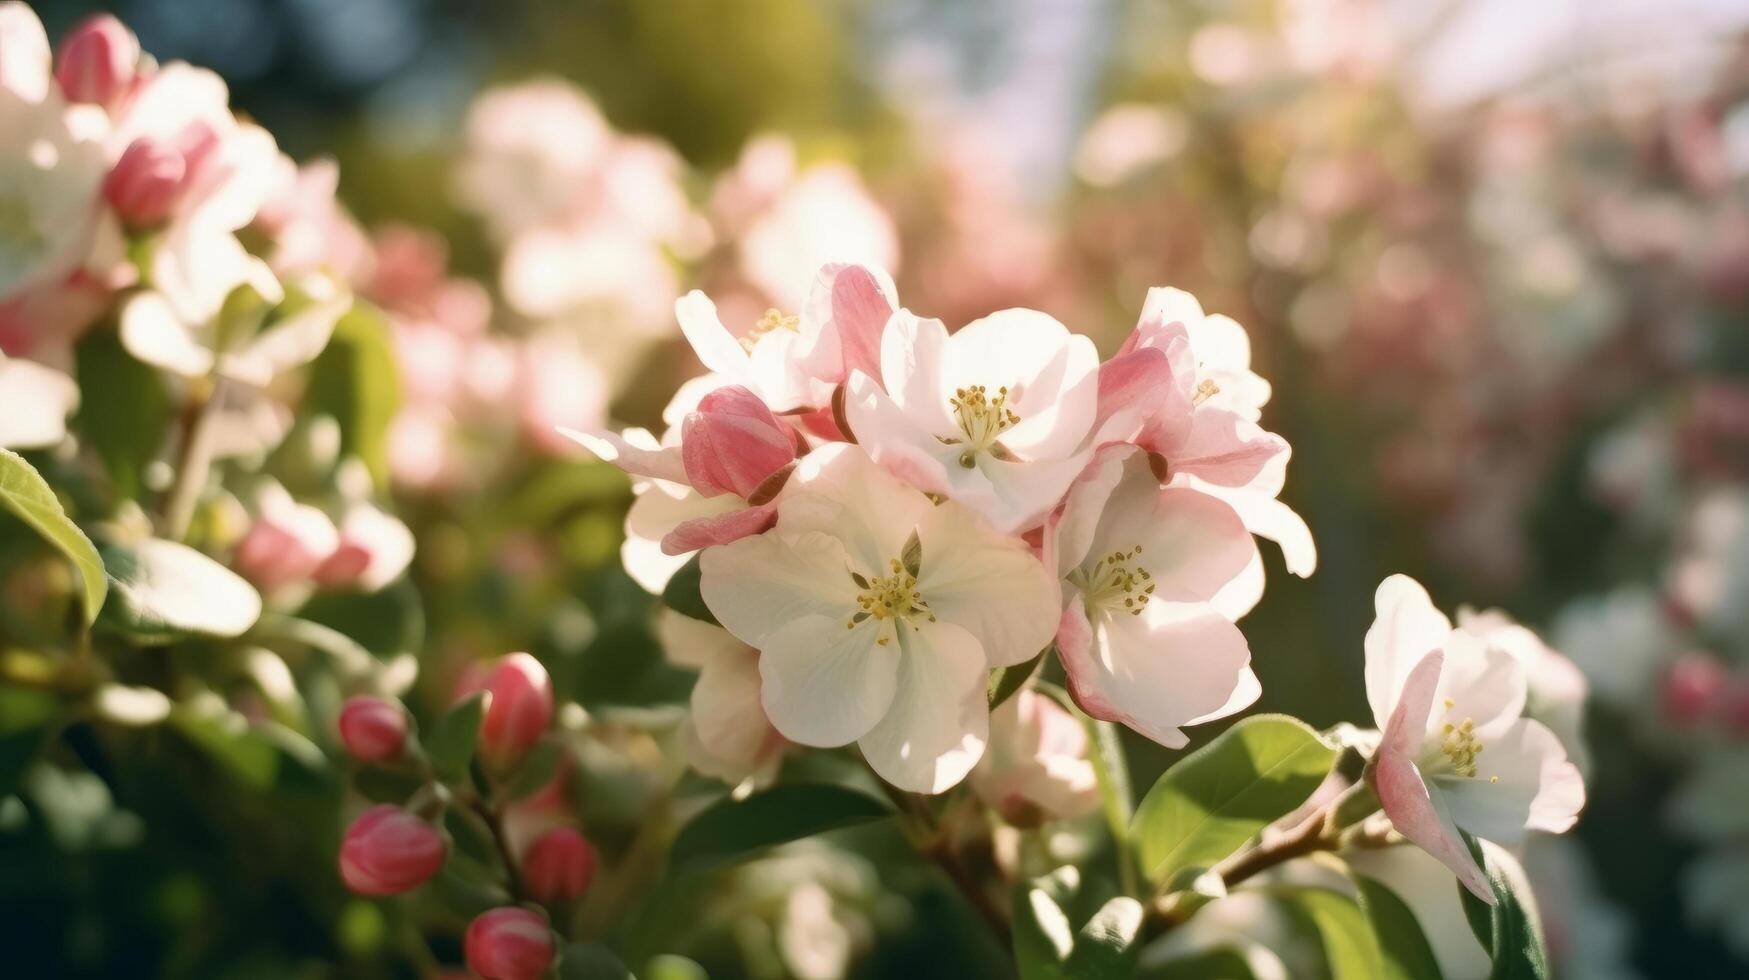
(1493, 256)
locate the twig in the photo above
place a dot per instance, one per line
(194, 458)
(926, 836)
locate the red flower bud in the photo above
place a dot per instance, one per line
(1692, 688)
(509, 944)
(374, 730)
(733, 442)
(518, 712)
(388, 851)
(146, 182)
(97, 61)
(559, 865)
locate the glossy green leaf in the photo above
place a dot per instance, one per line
(1212, 801)
(682, 593)
(1510, 930)
(1043, 935)
(162, 591)
(25, 495)
(355, 380)
(591, 961)
(1351, 951)
(1214, 964)
(450, 745)
(1006, 682)
(536, 769)
(732, 829)
(1106, 947)
(1407, 954)
(1049, 946)
(124, 408)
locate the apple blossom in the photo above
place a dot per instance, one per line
(518, 710)
(994, 416)
(825, 215)
(1457, 755)
(728, 735)
(1036, 766)
(559, 865)
(388, 850)
(372, 550)
(38, 400)
(286, 543)
(258, 332)
(97, 61)
(373, 729)
(1142, 638)
(878, 614)
(509, 943)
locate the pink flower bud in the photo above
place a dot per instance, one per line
(373, 730)
(388, 851)
(519, 711)
(733, 442)
(1692, 688)
(97, 61)
(558, 865)
(145, 184)
(509, 944)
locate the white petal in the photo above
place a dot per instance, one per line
(891, 437)
(1085, 502)
(24, 53)
(1164, 669)
(1483, 685)
(1015, 496)
(759, 585)
(1051, 375)
(727, 712)
(839, 492)
(1406, 629)
(1242, 594)
(1193, 544)
(294, 340)
(1523, 781)
(659, 508)
(693, 642)
(37, 401)
(912, 349)
(152, 332)
(710, 340)
(937, 724)
(824, 684)
(988, 584)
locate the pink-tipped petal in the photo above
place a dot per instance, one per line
(733, 442)
(860, 310)
(634, 451)
(1131, 390)
(702, 532)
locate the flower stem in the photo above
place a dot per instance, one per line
(926, 836)
(194, 458)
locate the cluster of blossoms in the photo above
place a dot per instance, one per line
(888, 512)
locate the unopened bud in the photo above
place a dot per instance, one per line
(97, 61)
(559, 865)
(373, 729)
(509, 943)
(733, 442)
(387, 851)
(145, 184)
(519, 712)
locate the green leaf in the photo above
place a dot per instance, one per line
(1006, 682)
(591, 961)
(1043, 935)
(163, 591)
(388, 621)
(26, 720)
(1350, 949)
(451, 744)
(1225, 963)
(240, 750)
(732, 829)
(1220, 796)
(386, 785)
(1407, 954)
(25, 495)
(1105, 948)
(355, 380)
(124, 409)
(682, 593)
(536, 769)
(1510, 931)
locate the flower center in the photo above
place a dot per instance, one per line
(889, 600)
(981, 419)
(1117, 582)
(774, 319)
(1205, 389)
(1460, 746)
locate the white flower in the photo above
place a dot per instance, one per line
(994, 416)
(37, 402)
(878, 615)
(1457, 753)
(1037, 765)
(52, 163)
(826, 215)
(251, 338)
(728, 735)
(1142, 638)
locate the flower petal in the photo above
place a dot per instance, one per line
(756, 586)
(1406, 629)
(1161, 670)
(1523, 781)
(1052, 377)
(702, 532)
(986, 583)
(732, 442)
(1418, 812)
(634, 451)
(823, 684)
(838, 491)
(710, 340)
(935, 729)
(860, 310)
(1193, 544)
(659, 509)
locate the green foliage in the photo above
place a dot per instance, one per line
(1351, 950)
(355, 381)
(1510, 930)
(1049, 946)
(729, 829)
(25, 721)
(25, 495)
(589, 961)
(1405, 950)
(124, 409)
(682, 594)
(162, 591)
(1006, 682)
(450, 745)
(1214, 800)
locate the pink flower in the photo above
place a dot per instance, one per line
(733, 444)
(559, 865)
(373, 550)
(287, 542)
(388, 851)
(1457, 753)
(728, 735)
(519, 709)
(373, 729)
(1146, 638)
(1036, 767)
(509, 944)
(1693, 688)
(97, 61)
